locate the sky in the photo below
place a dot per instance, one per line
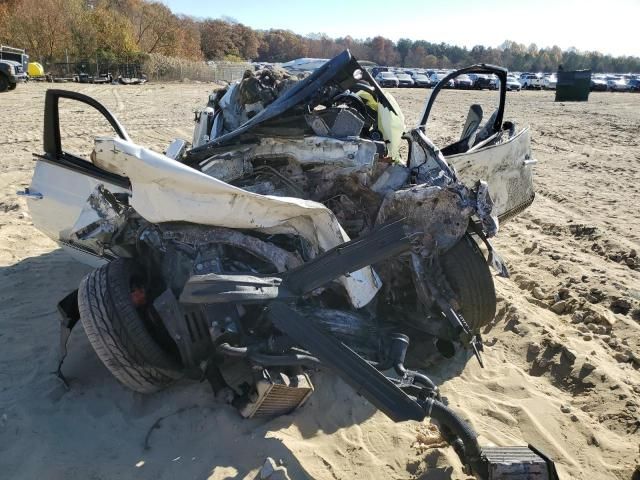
(608, 26)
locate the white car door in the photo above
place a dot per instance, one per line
(63, 181)
(506, 165)
(508, 169)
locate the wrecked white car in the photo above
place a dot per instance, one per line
(291, 235)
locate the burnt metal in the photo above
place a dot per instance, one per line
(198, 235)
(336, 122)
(269, 360)
(358, 329)
(395, 359)
(384, 393)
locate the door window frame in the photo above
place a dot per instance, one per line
(52, 142)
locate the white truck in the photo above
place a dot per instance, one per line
(532, 81)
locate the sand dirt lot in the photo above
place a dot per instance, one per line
(562, 356)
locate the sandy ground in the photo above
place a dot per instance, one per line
(562, 357)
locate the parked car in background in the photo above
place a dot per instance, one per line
(531, 80)
(598, 84)
(404, 80)
(421, 80)
(387, 79)
(549, 82)
(17, 55)
(463, 82)
(304, 65)
(377, 69)
(615, 84)
(634, 85)
(11, 74)
(481, 82)
(513, 84)
(436, 77)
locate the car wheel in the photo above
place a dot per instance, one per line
(112, 317)
(13, 86)
(470, 278)
(4, 83)
(468, 274)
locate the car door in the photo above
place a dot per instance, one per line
(63, 180)
(487, 148)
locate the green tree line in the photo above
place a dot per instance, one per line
(125, 30)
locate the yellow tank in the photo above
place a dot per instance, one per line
(34, 69)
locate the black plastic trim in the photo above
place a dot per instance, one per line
(51, 136)
(500, 72)
(77, 164)
(52, 143)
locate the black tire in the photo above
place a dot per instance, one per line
(117, 332)
(4, 83)
(468, 274)
(13, 86)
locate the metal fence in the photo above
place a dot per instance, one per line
(161, 68)
(93, 68)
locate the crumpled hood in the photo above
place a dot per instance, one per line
(164, 190)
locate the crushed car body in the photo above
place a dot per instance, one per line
(291, 235)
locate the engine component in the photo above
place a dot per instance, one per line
(517, 462)
(277, 393)
(336, 122)
(384, 242)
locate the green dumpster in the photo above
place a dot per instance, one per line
(573, 86)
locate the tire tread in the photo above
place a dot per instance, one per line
(117, 333)
(468, 273)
